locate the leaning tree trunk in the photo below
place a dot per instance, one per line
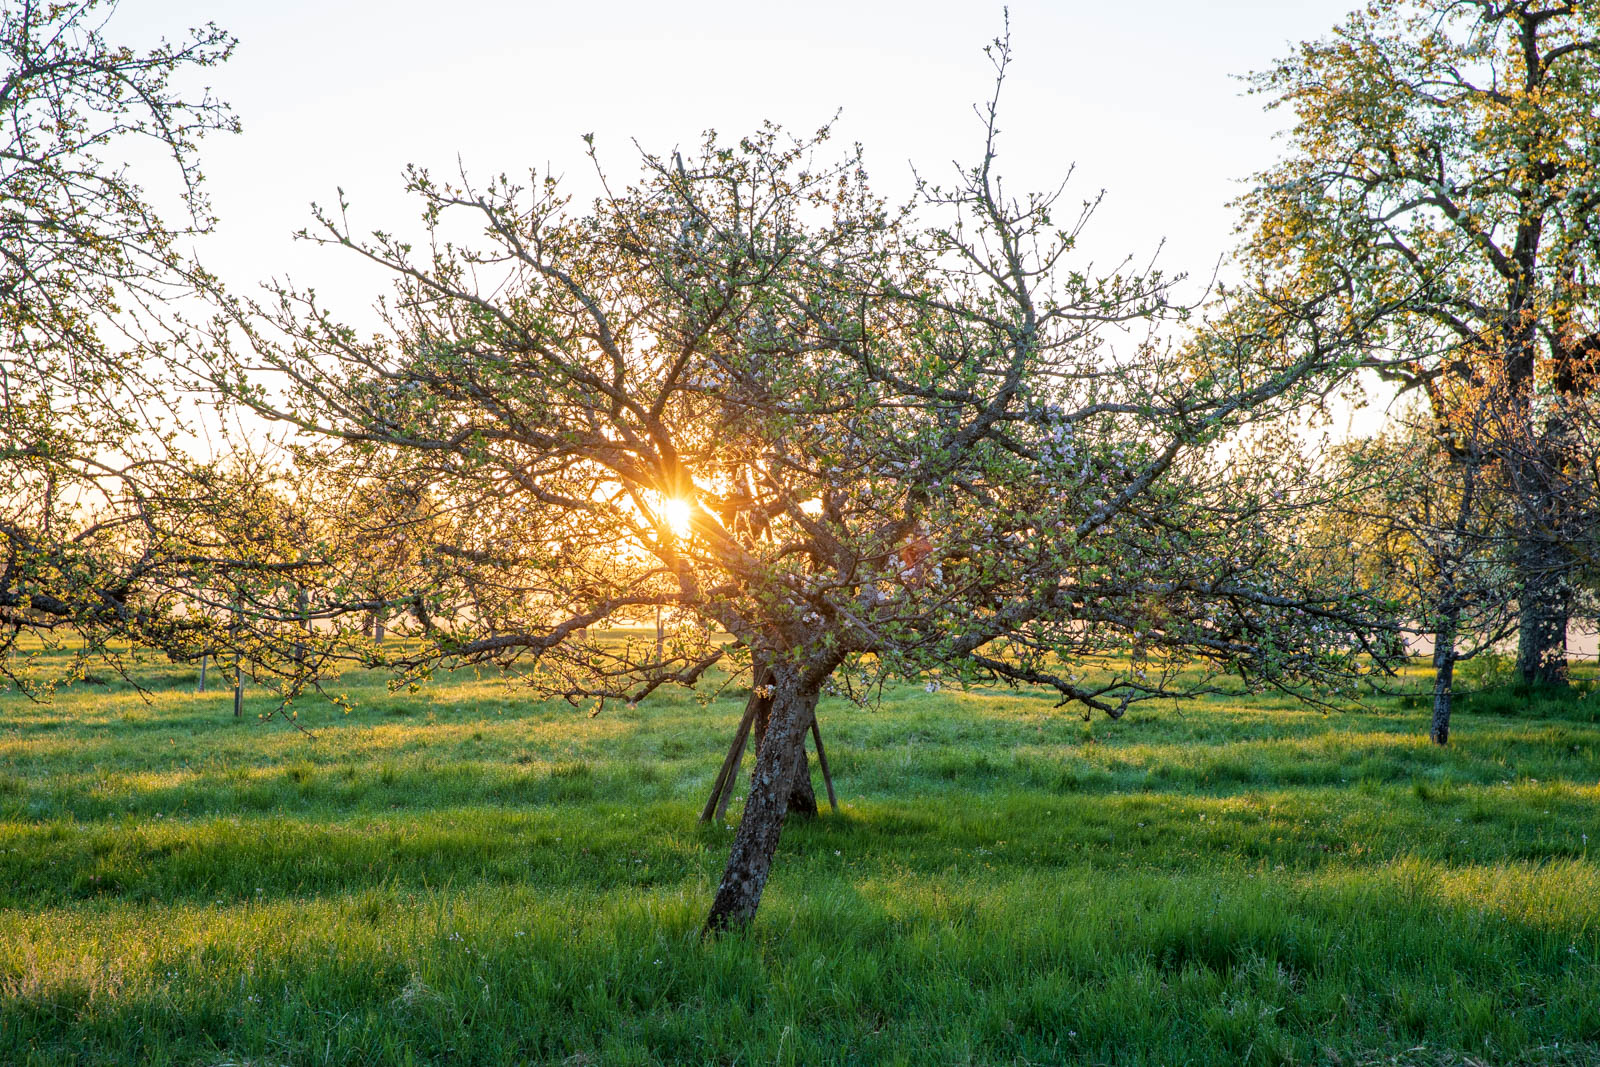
(1545, 605)
(1444, 669)
(802, 797)
(778, 763)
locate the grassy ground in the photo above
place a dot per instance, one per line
(460, 876)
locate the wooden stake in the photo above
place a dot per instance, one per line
(730, 764)
(733, 776)
(822, 758)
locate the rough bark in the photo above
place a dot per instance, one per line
(1545, 605)
(238, 671)
(803, 796)
(302, 607)
(778, 762)
(1444, 669)
(1539, 457)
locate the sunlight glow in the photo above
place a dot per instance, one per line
(675, 513)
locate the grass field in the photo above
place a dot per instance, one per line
(462, 876)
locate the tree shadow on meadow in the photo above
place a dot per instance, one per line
(852, 963)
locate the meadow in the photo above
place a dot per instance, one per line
(463, 876)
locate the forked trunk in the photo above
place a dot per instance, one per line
(757, 712)
(778, 763)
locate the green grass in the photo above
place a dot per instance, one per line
(463, 876)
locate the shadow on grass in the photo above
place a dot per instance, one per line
(573, 826)
(848, 967)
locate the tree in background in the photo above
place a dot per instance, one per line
(88, 465)
(1442, 185)
(1426, 523)
(837, 442)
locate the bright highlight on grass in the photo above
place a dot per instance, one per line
(461, 875)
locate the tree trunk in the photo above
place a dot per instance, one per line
(803, 796)
(778, 763)
(1545, 605)
(1532, 456)
(302, 608)
(238, 674)
(1444, 669)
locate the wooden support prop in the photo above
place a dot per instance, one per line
(822, 759)
(730, 766)
(733, 776)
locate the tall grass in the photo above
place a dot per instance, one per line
(462, 876)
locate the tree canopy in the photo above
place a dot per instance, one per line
(834, 440)
(1441, 187)
(88, 266)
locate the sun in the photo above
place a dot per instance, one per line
(675, 513)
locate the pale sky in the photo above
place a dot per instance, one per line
(1139, 96)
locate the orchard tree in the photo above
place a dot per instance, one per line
(836, 442)
(1425, 523)
(251, 574)
(88, 469)
(1443, 182)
